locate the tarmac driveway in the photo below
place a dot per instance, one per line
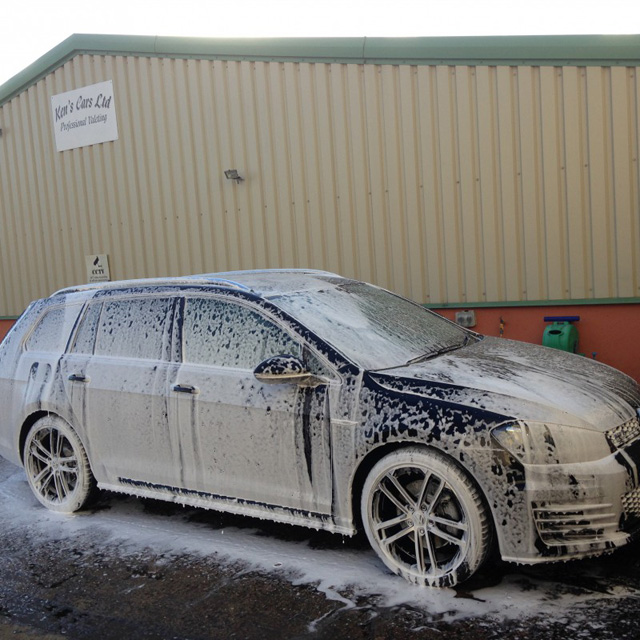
(144, 569)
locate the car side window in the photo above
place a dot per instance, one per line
(52, 330)
(228, 334)
(85, 338)
(134, 328)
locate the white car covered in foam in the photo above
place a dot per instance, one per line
(316, 400)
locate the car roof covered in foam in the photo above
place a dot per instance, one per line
(263, 282)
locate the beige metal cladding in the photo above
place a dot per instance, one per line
(448, 184)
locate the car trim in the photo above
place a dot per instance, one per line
(216, 502)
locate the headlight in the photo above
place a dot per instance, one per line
(542, 443)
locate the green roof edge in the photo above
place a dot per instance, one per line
(573, 50)
(578, 302)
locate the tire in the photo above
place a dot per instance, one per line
(425, 518)
(57, 466)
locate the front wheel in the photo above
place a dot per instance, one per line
(425, 518)
(57, 466)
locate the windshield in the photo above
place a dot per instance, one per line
(372, 327)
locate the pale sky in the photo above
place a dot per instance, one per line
(30, 28)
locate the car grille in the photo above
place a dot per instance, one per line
(631, 503)
(620, 435)
(564, 524)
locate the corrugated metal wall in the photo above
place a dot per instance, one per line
(448, 184)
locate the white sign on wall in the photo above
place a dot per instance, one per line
(85, 116)
(98, 268)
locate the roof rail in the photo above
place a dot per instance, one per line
(222, 279)
(311, 272)
(212, 280)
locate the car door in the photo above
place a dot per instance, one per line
(117, 376)
(267, 444)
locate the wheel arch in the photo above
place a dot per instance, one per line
(26, 426)
(33, 417)
(372, 458)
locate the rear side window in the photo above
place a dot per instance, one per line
(227, 334)
(51, 333)
(135, 328)
(86, 335)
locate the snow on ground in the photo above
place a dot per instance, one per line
(345, 573)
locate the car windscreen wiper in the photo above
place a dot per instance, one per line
(438, 352)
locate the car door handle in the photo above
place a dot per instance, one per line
(186, 388)
(78, 377)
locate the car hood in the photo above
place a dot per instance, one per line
(522, 381)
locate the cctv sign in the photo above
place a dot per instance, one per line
(98, 268)
(85, 116)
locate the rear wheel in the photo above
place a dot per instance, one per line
(57, 466)
(425, 518)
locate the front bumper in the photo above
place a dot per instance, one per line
(582, 509)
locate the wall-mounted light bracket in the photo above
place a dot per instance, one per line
(232, 174)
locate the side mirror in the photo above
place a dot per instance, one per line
(279, 369)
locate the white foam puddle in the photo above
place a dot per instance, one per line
(345, 575)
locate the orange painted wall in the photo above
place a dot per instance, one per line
(5, 325)
(611, 332)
